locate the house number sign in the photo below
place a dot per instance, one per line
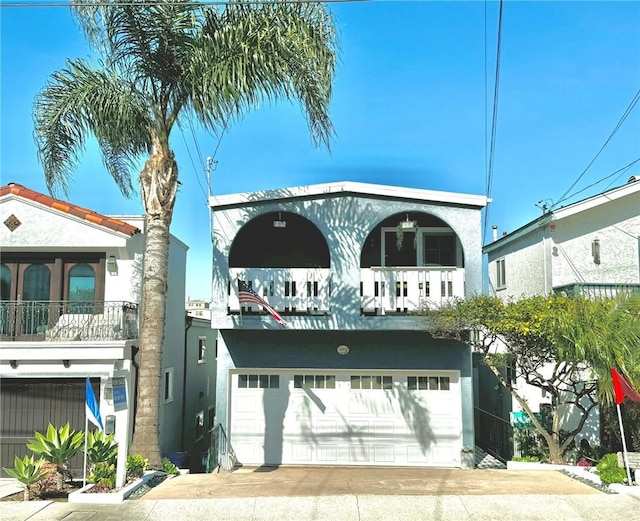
(343, 350)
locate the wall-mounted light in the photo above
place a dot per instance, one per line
(112, 265)
(279, 223)
(66, 363)
(595, 250)
(13, 364)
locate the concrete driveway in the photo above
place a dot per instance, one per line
(332, 481)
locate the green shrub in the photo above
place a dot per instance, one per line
(28, 472)
(530, 459)
(609, 470)
(169, 467)
(101, 448)
(58, 446)
(136, 465)
(103, 474)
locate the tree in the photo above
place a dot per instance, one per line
(561, 345)
(161, 62)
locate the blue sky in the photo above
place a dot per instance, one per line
(412, 107)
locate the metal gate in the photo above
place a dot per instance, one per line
(29, 405)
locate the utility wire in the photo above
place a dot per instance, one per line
(195, 169)
(16, 4)
(624, 116)
(494, 121)
(620, 171)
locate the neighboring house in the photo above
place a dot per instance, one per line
(200, 391)
(198, 308)
(70, 299)
(588, 248)
(353, 379)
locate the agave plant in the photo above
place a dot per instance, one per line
(58, 446)
(101, 448)
(28, 472)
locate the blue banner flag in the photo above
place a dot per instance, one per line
(91, 406)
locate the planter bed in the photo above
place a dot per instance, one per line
(116, 496)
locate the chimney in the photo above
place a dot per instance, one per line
(495, 232)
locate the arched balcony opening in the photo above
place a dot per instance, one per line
(410, 260)
(284, 258)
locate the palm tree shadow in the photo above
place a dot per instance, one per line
(416, 416)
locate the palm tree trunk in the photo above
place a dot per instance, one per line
(159, 182)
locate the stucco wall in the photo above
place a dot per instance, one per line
(527, 267)
(368, 350)
(345, 221)
(616, 226)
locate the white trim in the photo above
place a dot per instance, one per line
(324, 189)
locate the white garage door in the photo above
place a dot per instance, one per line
(346, 418)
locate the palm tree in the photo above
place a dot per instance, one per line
(161, 62)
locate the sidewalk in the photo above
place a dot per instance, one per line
(345, 494)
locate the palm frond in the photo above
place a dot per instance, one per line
(249, 54)
(80, 101)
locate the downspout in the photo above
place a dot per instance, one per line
(188, 321)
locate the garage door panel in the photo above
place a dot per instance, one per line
(358, 453)
(327, 453)
(301, 453)
(384, 453)
(394, 425)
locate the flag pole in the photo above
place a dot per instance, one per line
(240, 303)
(624, 446)
(84, 466)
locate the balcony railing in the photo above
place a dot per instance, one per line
(294, 290)
(382, 290)
(57, 321)
(400, 290)
(593, 290)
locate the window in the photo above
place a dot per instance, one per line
(314, 381)
(428, 383)
(211, 417)
(439, 250)
(168, 385)
(258, 381)
(67, 276)
(371, 382)
(202, 348)
(82, 283)
(501, 275)
(199, 426)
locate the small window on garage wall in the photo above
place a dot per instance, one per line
(314, 381)
(202, 348)
(258, 381)
(168, 385)
(371, 382)
(428, 383)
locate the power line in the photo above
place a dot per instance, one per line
(67, 3)
(494, 121)
(620, 171)
(624, 116)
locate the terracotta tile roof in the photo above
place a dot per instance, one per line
(72, 209)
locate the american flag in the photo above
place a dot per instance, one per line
(246, 295)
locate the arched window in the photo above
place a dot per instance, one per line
(37, 283)
(5, 282)
(5, 294)
(82, 283)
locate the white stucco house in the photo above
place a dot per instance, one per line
(353, 378)
(588, 248)
(69, 310)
